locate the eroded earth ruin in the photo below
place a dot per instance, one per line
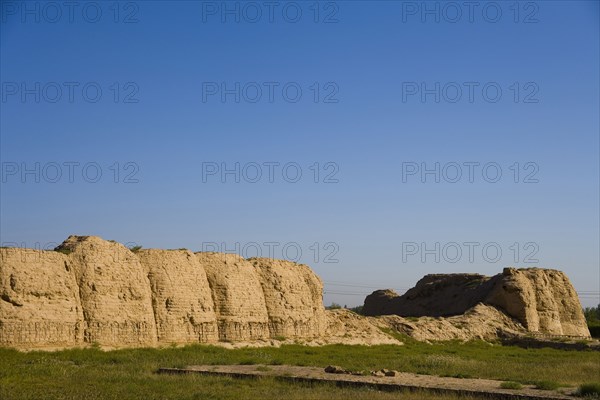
(93, 291)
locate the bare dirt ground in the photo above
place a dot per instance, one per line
(402, 380)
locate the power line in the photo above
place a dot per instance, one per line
(337, 283)
(345, 294)
(588, 294)
(350, 285)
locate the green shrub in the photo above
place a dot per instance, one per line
(135, 249)
(594, 330)
(589, 390)
(547, 385)
(358, 310)
(64, 251)
(401, 337)
(462, 376)
(592, 314)
(511, 385)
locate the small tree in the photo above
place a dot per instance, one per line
(592, 314)
(592, 317)
(357, 309)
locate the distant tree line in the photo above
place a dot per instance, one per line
(592, 316)
(336, 306)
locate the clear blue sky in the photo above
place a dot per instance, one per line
(163, 67)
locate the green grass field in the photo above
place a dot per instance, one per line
(130, 374)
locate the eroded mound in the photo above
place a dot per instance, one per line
(542, 300)
(435, 295)
(114, 290)
(93, 291)
(480, 322)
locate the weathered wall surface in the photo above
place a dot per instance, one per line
(114, 291)
(181, 298)
(238, 297)
(542, 300)
(293, 297)
(39, 300)
(96, 291)
(434, 295)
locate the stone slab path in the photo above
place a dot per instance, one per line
(402, 381)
